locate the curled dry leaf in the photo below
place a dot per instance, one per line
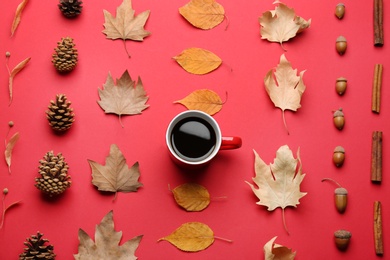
(115, 175)
(278, 183)
(198, 61)
(273, 251)
(191, 237)
(203, 14)
(191, 196)
(12, 75)
(8, 149)
(281, 24)
(106, 245)
(286, 89)
(204, 100)
(18, 15)
(125, 25)
(6, 208)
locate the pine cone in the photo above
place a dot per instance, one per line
(36, 248)
(65, 56)
(70, 8)
(54, 178)
(60, 115)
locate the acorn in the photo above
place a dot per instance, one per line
(338, 119)
(340, 196)
(341, 85)
(338, 156)
(341, 45)
(340, 10)
(342, 238)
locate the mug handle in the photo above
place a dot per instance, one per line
(230, 142)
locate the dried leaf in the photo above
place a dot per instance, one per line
(125, 25)
(115, 175)
(191, 196)
(8, 149)
(12, 75)
(17, 16)
(106, 245)
(124, 98)
(286, 91)
(5, 210)
(275, 251)
(278, 183)
(204, 100)
(281, 24)
(198, 61)
(191, 237)
(203, 14)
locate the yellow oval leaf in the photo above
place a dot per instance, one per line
(204, 100)
(203, 14)
(191, 237)
(191, 196)
(198, 61)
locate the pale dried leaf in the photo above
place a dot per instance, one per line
(191, 196)
(12, 75)
(124, 98)
(198, 61)
(203, 14)
(115, 175)
(191, 237)
(17, 17)
(273, 251)
(204, 100)
(8, 149)
(106, 245)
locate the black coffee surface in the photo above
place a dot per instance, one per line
(193, 139)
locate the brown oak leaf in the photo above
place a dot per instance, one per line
(124, 98)
(273, 251)
(125, 25)
(204, 100)
(203, 14)
(106, 244)
(115, 175)
(278, 183)
(286, 89)
(281, 24)
(198, 61)
(191, 196)
(18, 15)
(8, 149)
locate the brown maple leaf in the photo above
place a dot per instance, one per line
(286, 89)
(275, 251)
(106, 245)
(281, 24)
(125, 25)
(115, 175)
(204, 100)
(124, 98)
(278, 183)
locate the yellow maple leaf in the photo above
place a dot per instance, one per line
(204, 100)
(198, 61)
(203, 14)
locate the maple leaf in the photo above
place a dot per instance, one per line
(106, 245)
(198, 61)
(281, 24)
(278, 183)
(125, 25)
(286, 91)
(203, 14)
(204, 100)
(275, 251)
(124, 98)
(191, 196)
(115, 175)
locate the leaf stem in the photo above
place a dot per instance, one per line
(284, 122)
(3, 210)
(124, 44)
(223, 239)
(329, 179)
(227, 21)
(284, 222)
(120, 121)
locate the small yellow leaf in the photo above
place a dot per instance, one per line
(191, 196)
(191, 237)
(203, 14)
(198, 61)
(8, 149)
(204, 100)
(18, 14)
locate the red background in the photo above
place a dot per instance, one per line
(248, 113)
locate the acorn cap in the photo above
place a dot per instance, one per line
(342, 79)
(341, 39)
(338, 112)
(340, 191)
(339, 149)
(342, 234)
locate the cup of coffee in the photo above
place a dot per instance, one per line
(194, 138)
